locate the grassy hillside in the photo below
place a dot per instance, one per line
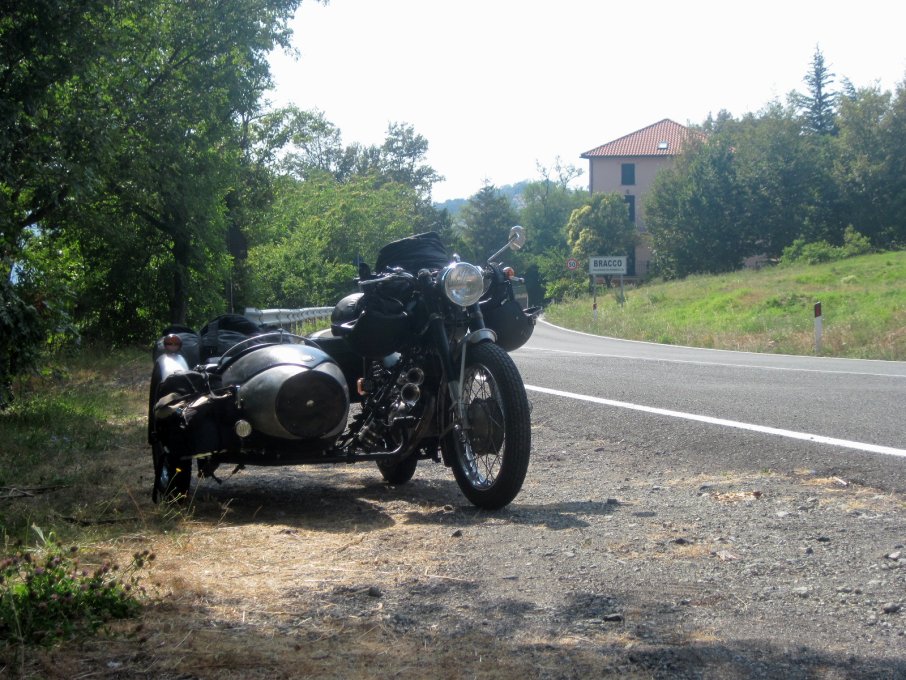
(771, 310)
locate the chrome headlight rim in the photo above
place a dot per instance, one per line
(463, 283)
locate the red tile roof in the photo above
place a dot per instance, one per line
(664, 138)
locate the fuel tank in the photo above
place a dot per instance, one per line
(290, 391)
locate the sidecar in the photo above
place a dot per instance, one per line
(243, 394)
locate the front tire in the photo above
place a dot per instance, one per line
(399, 472)
(490, 458)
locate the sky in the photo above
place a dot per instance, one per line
(499, 87)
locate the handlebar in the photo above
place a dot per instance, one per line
(395, 275)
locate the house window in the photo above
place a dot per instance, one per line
(627, 171)
(630, 202)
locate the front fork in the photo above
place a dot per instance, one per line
(478, 334)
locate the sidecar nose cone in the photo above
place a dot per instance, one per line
(311, 404)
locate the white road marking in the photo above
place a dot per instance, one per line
(632, 357)
(805, 436)
(705, 349)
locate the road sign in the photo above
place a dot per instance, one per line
(607, 264)
(572, 264)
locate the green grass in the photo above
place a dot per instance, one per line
(863, 303)
(74, 471)
(70, 441)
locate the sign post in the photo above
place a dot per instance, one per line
(605, 265)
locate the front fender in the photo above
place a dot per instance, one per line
(165, 365)
(168, 364)
(481, 335)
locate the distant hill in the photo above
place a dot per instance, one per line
(512, 191)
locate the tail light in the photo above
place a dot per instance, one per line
(172, 343)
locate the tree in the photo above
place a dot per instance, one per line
(819, 106)
(863, 151)
(312, 144)
(695, 213)
(403, 156)
(176, 90)
(547, 205)
(49, 136)
(484, 223)
(601, 226)
(320, 229)
(773, 167)
(893, 129)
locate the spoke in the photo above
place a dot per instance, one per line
(483, 467)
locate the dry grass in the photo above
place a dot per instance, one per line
(328, 573)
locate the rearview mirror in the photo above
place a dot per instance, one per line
(517, 238)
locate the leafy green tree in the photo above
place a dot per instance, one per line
(601, 226)
(319, 230)
(48, 133)
(50, 140)
(695, 213)
(893, 130)
(546, 206)
(862, 150)
(175, 91)
(773, 166)
(301, 142)
(484, 223)
(403, 155)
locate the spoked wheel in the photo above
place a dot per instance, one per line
(400, 472)
(490, 453)
(172, 476)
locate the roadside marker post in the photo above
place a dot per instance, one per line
(818, 328)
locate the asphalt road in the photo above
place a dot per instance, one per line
(733, 409)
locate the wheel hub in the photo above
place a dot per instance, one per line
(486, 422)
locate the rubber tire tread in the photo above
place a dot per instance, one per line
(517, 435)
(398, 473)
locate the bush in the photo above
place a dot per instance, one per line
(855, 243)
(54, 598)
(817, 252)
(565, 289)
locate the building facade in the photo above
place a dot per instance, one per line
(628, 166)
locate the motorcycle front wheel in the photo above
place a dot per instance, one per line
(490, 453)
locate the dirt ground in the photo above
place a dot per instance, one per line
(614, 561)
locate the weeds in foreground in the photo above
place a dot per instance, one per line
(51, 597)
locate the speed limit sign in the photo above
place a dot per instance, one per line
(572, 264)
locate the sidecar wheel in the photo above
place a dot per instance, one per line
(398, 472)
(172, 476)
(490, 458)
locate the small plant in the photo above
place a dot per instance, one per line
(51, 598)
(801, 252)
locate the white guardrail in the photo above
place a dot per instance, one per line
(283, 317)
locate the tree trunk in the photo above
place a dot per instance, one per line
(179, 294)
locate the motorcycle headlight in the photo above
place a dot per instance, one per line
(463, 283)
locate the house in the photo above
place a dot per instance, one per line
(628, 165)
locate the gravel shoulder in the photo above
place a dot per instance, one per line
(622, 557)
